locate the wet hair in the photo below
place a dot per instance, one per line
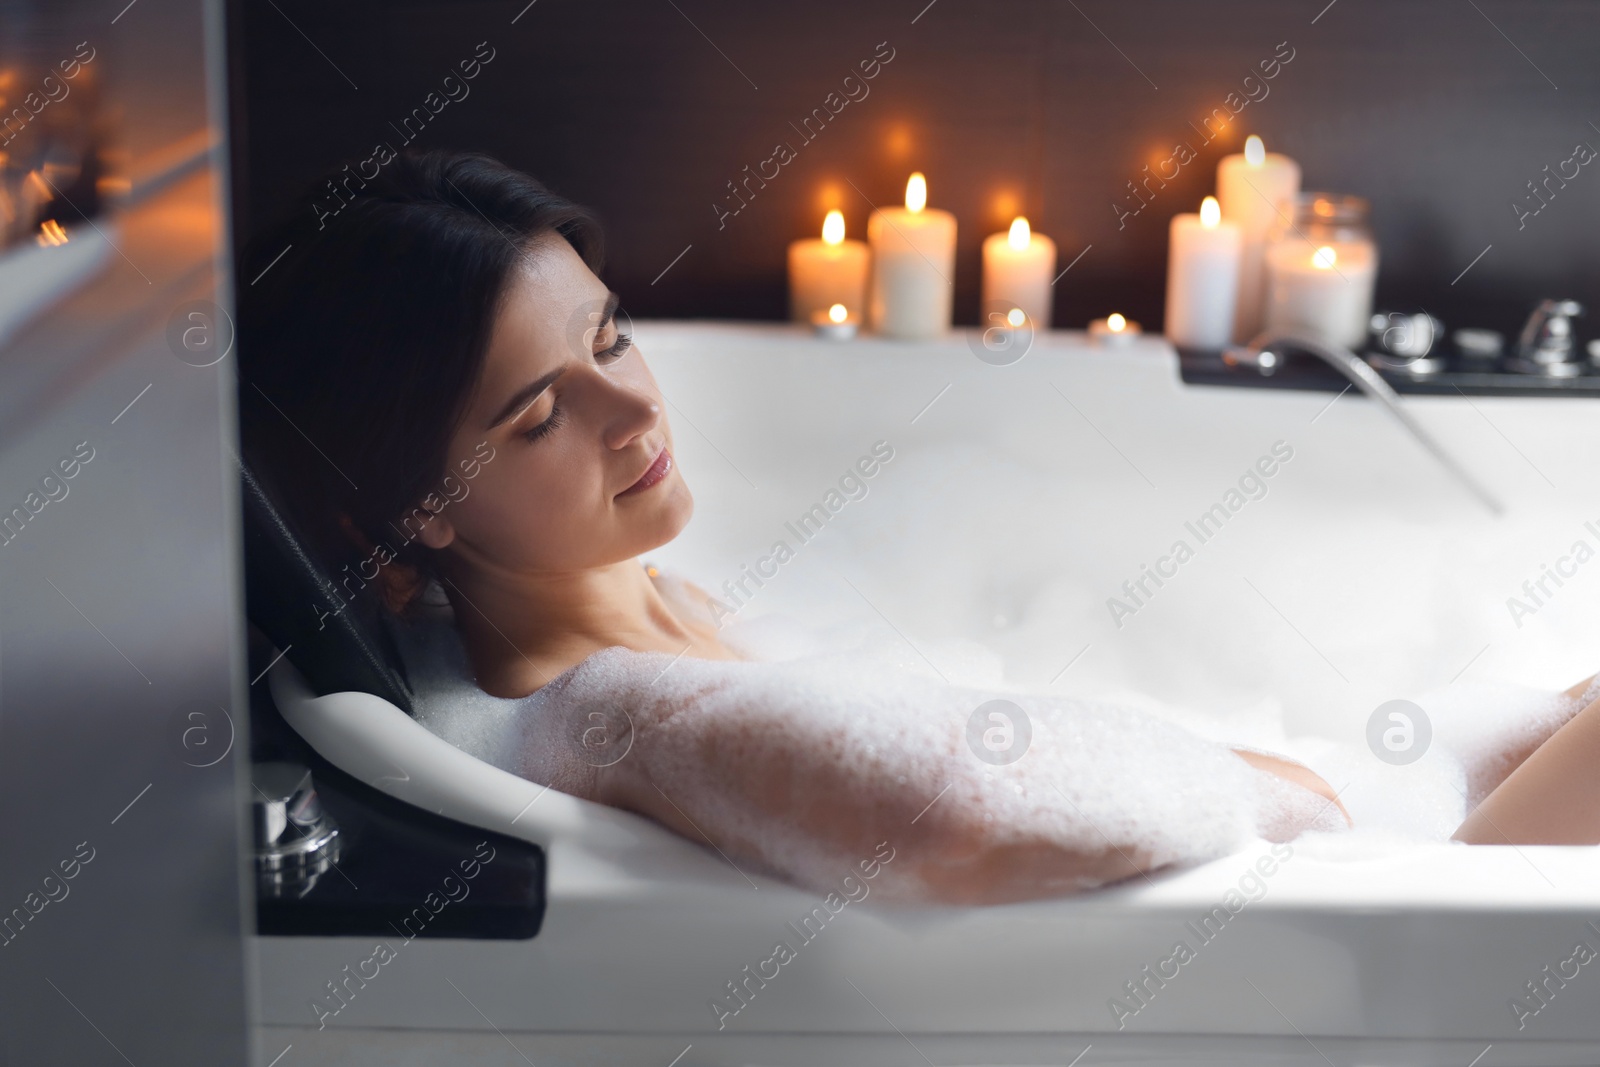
(359, 350)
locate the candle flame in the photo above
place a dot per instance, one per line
(1210, 212)
(1324, 258)
(1020, 235)
(833, 228)
(838, 313)
(1116, 323)
(916, 192)
(51, 234)
(1015, 317)
(1255, 153)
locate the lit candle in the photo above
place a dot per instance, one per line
(1018, 267)
(834, 324)
(1202, 278)
(913, 265)
(1256, 189)
(827, 271)
(1324, 291)
(1114, 329)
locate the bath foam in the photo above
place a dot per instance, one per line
(1491, 727)
(1481, 730)
(887, 734)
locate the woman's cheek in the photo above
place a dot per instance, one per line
(539, 516)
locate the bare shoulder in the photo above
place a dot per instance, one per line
(688, 601)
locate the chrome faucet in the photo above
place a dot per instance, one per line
(296, 839)
(1266, 353)
(1545, 345)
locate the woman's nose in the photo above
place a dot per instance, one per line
(631, 412)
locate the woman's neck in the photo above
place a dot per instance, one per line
(521, 629)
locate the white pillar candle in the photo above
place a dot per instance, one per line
(1256, 190)
(913, 266)
(1202, 278)
(1324, 292)
(1018, 267)
(826, 272)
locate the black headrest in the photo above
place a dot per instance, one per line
(334, 636)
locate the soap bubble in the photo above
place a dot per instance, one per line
(1399, 732)
(999, 732)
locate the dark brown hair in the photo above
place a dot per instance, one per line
(360, 349)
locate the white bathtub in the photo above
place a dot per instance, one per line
(1015, 506)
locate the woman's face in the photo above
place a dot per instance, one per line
(564, 459)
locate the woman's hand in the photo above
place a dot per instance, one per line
(1297, 773)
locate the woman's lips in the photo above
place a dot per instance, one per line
(658, 470)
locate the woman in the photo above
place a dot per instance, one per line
(437, 383)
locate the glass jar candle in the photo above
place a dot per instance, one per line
(1321, 271)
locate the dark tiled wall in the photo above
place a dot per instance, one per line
(1439, 111)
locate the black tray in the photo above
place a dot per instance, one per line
(1207, 367)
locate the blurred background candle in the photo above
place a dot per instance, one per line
(1256, 190)
(913, 265)
(1018, 267)
(1321, 271)
(827, 272)
(1115, 329)
(1202, 278)
(834, 324)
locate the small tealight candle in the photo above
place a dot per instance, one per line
(1256, 190)
(913, 265)
(1114, 329)
(834, 324)
(1202, 278)
(1018, 267)
(827, 271)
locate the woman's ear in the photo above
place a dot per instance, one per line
(437, 532)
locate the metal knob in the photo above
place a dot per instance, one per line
(295, 839)
(1406, 342)
(1478, 346)
(1545, 345)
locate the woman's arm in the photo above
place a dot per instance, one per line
(941, 844)
(756, 795)
(1553, 798)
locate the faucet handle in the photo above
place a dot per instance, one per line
(296, 840)
(1545, 344)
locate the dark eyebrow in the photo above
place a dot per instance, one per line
(530, 392)
(613, 301)
(525, 396)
